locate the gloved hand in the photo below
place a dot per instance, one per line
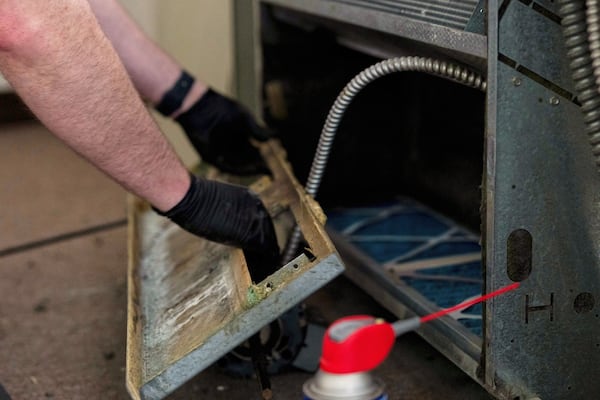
(219, 129)
(231, 215)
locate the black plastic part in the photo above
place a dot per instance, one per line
(285, 339)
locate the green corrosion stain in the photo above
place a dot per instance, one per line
(255, 295)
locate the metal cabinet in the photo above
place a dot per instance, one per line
(540, 192)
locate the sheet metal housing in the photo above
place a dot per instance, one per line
(543, 341)
(539, 177)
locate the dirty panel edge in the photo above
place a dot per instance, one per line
(226, 340)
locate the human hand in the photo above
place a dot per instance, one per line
(219, 129)
(231, 215)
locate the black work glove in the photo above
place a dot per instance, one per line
(231, 215)
(219, 129)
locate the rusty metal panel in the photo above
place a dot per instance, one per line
(191, 301)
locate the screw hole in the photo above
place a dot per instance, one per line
(519, 255)
(296, 266)
(269, 285)
(584, 302)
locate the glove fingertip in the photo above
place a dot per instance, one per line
(260, 133)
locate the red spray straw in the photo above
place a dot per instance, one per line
(360, 343)
(469, 303)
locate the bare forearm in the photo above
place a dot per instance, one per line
(152, 70)
(59, 61)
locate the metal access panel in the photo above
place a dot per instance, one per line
(191, 301)
(542, 218)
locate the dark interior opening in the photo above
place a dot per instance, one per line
(407, 134)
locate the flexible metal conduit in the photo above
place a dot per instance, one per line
(431, 66)
(593, 28)
(584, 58)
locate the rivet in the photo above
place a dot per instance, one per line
(516, 81)
(554, 101)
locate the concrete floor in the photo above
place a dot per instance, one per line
(63, 292)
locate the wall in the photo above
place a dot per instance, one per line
(197, 33)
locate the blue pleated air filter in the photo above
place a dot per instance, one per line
(417, 247)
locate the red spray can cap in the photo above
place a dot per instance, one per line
(356, 344)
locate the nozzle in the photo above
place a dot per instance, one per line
(406, 325)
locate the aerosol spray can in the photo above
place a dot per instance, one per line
(352, 347)
(355, 345)
(357, 386)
